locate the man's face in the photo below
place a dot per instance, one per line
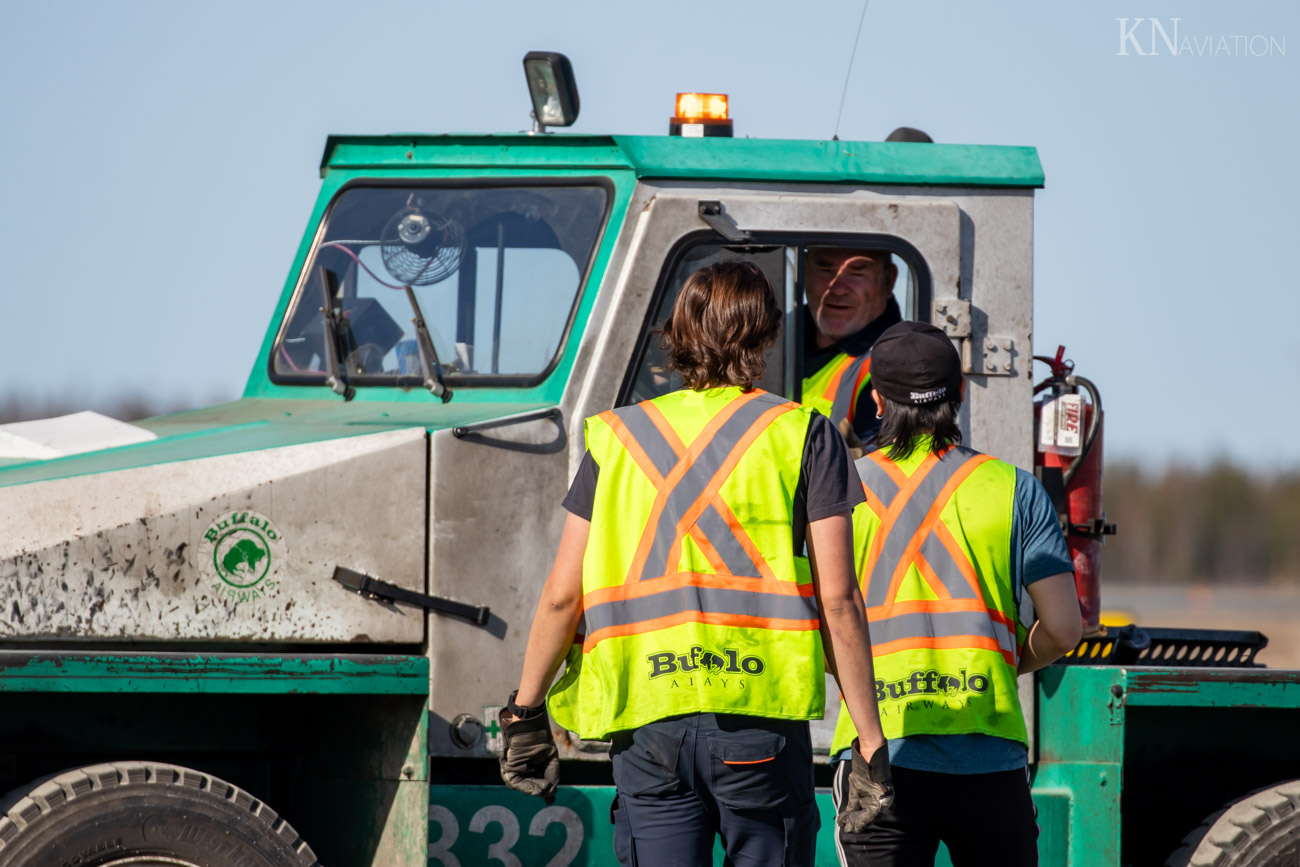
(847, 289)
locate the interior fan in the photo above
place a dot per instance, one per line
(419, 248)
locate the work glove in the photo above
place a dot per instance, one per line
(530, 763)
(871, 790)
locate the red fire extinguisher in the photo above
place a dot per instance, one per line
(1067, 460)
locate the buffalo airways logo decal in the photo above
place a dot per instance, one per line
(725, 669)
(242, 553)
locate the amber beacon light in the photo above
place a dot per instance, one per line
(700, 114)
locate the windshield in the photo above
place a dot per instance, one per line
(495, 271)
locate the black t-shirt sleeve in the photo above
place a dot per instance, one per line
(582, 493)
(828, 481)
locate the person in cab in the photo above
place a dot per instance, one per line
(701, 627)
(968, 583)
(850, 303)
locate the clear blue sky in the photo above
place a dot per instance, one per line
(162, 157)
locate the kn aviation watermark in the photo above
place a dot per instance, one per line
(1156, 37)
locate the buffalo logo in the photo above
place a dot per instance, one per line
(242, 550)
(729, 661)
(932, 682)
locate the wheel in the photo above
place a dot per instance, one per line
(1259, 830)
(143, 813)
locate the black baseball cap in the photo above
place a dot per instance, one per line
(915, 363)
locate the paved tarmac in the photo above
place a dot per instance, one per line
(1274, 611)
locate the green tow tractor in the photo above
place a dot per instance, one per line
(278, 631)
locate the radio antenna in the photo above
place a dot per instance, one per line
(847, 75)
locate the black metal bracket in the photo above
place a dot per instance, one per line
(711, 212)
(1094, 529)
(373, 588)
(474, 427)
(1171, 647)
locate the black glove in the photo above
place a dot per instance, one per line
(530, 763)
(871, 790)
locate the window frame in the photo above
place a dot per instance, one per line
(460, 380)
(901, 247)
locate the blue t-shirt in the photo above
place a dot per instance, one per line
(1038, 551)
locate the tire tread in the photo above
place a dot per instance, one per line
(47, 795)
(1231, 830)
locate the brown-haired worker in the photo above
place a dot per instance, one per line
(700, 653)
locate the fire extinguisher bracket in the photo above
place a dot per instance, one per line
(1094, 529)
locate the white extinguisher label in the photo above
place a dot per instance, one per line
(1061, 426)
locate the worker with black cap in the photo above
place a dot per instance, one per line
(947, 546)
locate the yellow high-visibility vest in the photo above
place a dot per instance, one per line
(694, 599)
(835, 390)
(933, 554)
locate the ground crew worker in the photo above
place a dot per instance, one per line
(945, 543)
(850, 303)
(703, 626)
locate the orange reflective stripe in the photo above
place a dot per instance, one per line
(863, 373)
(959, 557)
(753, 762)
(905, 492)
(935, 606)
(633, 447)
(640, 589)
(931, 518)
(873, 502)
(670, 435)
(667, 485)
(927, 575)
(895, 472)
(833, 385)
(947, 642)
(710, 553)
(743, 621)
(711, 489)
(760, 563)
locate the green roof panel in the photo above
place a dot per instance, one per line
(716, 159)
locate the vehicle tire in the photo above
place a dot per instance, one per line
(125, 812)
(1259, 830)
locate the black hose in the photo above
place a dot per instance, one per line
(1094, 427)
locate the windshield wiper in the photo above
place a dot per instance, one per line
(334, 378)
(428, 355)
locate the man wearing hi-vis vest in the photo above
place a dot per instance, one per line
(694, 626)
(947, 545)
(851, 302)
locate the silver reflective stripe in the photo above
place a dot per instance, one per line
(941, 624)
(877, 480)
(844, 390)
(946, 569)
(711, 522)
(691, 485)
(649, 437)
(909, 522)
(709, 600)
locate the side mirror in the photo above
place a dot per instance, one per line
(553, 89)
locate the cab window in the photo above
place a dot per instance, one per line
(494, 271)
(786, 266)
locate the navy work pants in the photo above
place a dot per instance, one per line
(981, 818)
(681, 781)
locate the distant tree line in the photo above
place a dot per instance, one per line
(1217, 524)
(125, 408)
